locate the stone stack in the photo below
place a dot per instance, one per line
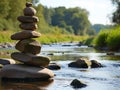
(28, 50)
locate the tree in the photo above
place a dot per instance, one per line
(78, 19)
(57, 16)
(4, 8)
(116, 14)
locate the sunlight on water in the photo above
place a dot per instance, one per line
(106, 78)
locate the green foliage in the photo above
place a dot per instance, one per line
(4, 8)
(98, 27)
(101, 38)
(113, 39)
(116, 14)
(48, 38)
(89, 41)
(109, 38)
(77, 18)
(52, 20)
(5, 36)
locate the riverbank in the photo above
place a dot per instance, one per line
(108, 39)
(45, 38)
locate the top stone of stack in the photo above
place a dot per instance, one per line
(28, 4)
(29, 10)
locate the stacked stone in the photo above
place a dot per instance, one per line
(28, 47)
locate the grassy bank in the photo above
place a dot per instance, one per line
(5, 36)
(108, 38)
(45, 38)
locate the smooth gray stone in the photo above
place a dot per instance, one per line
(28, 26)
(28, 46)
(21, 71)
(31, 59)
(29, 11)
(28, 19)
(25, 34)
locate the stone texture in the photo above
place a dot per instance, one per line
(28, 4)
(20, 71)
(28, 26)
(28, 46)
(31, 59)
(77, 84)
(29, 11)
(25, 34)
(5, 61)
(80, 63)
(54, 66)
(28, 19)
(95, 64)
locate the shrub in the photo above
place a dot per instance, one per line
(101, 38)
(113, 39)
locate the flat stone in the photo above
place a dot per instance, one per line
(25, 34)
(31, 59)
(29, 11)
(28, 26)
(28, 46)
(28, 19)
(25, 72)
(5, 61)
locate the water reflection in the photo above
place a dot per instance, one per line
(26, 86)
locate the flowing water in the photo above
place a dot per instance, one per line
(106, 78)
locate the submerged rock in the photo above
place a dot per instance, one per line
(53, 66)
(77, 84)
(95, 64)
(80, 63)
(24, 72)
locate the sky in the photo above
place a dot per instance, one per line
(100, 11)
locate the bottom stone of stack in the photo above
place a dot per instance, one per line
(25, 73)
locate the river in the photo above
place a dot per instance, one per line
(106, 78)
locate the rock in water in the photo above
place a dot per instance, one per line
(24, 72)
(95, 64)
(53, 66)
(28, 46)
(31, 59)
(25, 34)
(77, 84)
(80, 63)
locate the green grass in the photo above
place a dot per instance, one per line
(5, 36)
(113, 39)
(54, 38)
(100, 39)
(45, 38)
